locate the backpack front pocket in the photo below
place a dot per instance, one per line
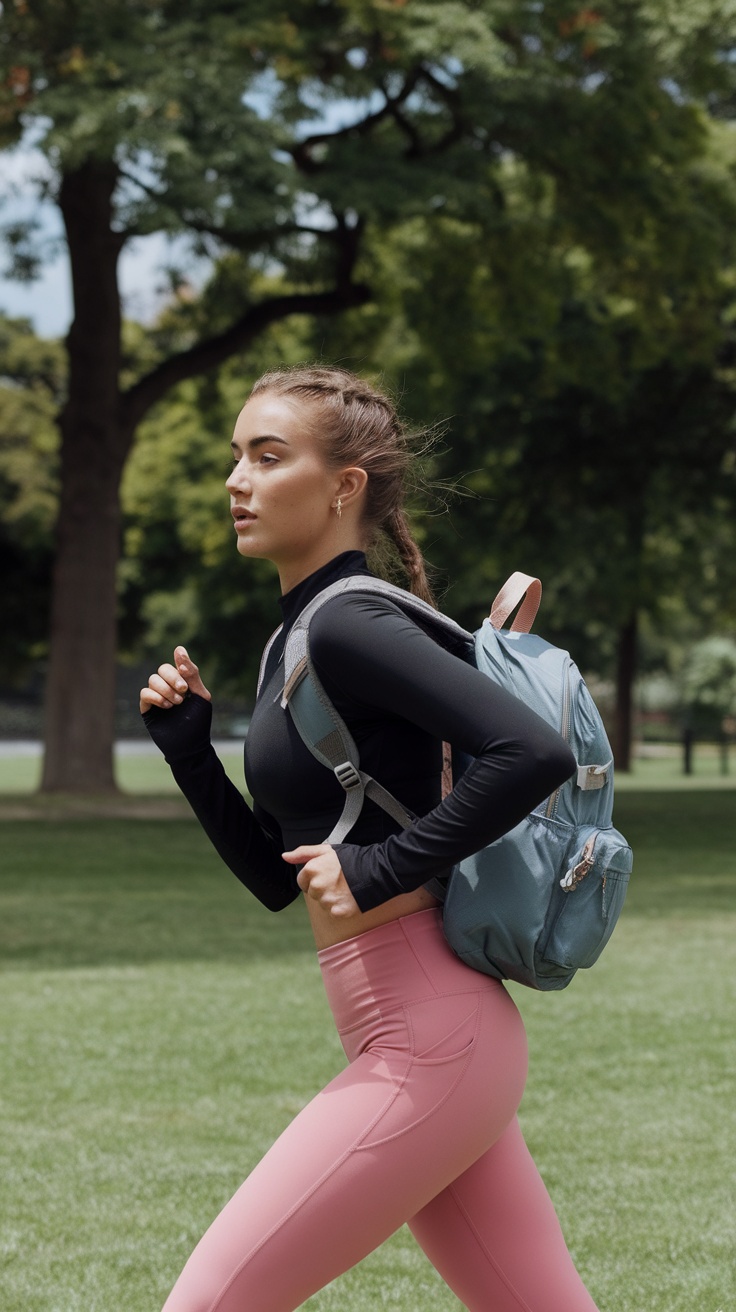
(587, 905)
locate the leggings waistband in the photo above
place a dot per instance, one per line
(403, 961)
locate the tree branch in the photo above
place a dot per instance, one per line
(301, 152)
(215, 350)
(416, 149)
(454, 104)
(244, 240)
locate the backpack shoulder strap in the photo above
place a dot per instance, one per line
(296, 652)
(265, 656)
(320, 727)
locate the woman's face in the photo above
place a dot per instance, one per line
(282, 493)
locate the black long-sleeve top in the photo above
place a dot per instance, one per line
(401, 694)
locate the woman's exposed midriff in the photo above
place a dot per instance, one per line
(329, 929)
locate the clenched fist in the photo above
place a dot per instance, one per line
(170, 684)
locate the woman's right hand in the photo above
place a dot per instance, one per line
(169, 685)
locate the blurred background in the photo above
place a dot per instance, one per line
(520, 218)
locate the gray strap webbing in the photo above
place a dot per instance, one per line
(264, 657)
(322, 730)
(329, 740)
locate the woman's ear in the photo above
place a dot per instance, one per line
(351, 485)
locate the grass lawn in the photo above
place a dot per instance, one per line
(159, 1028)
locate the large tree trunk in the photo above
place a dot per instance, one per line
(80, 694)
(625, 675)
(97, 426)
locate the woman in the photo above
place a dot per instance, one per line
(420, 1127)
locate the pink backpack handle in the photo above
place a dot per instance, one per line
(515, 588)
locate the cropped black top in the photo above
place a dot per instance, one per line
(401, 694)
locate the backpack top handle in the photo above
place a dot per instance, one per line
(516, 587)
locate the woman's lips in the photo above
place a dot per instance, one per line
(242, 517)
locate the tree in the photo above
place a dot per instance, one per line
(708, 680)
(707, 683)
(280, 137)
(142, 135)
(593, 398)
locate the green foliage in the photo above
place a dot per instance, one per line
(415, 109)
(181, 578)
(32, 378)
(708, 683)
(590, 407)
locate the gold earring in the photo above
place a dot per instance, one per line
(338, 507)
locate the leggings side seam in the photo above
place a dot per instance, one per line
(417, 958)
(309, 1193)
(523, 1305)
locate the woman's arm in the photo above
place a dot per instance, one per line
(248, 842)
(365, 647)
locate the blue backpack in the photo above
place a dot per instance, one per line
(542, 901)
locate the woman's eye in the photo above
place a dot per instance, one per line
(267, 459)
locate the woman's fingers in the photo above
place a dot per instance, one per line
(322, 879)
(188, 671)
(165, 689)
(300, 854)
(170, 684)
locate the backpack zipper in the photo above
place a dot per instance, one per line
(575, 874)
(565, 731)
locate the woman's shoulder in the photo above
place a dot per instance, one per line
(355, 616)
(372, 631)
(361, 641)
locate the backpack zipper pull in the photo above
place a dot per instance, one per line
(575, 874)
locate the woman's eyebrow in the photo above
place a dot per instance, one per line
(254, 442)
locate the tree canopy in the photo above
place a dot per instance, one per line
(287, 146)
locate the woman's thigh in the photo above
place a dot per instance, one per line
(437, 1084)
(494, 1236)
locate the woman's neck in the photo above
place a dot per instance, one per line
(292, 573)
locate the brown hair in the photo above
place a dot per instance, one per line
(360, 426)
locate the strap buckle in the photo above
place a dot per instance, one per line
(593, 777)
(348, 776)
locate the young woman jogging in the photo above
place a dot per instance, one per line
(421, 1125)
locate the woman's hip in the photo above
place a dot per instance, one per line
(401, 984)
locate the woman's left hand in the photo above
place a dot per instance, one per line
(321, 878)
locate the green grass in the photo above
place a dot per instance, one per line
(159, 1028)
(143, 772)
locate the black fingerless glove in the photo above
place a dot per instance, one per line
(183, 730)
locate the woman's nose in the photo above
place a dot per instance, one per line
(237, 480)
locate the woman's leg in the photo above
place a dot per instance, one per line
(494, 1237)
(414, 1109)
(438, 1063)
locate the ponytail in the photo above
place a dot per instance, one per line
(397, 529)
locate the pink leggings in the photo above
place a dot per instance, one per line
(420, 1127)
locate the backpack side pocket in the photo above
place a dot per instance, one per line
(584, 911)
